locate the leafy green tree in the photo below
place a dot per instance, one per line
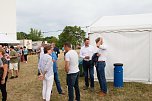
(21, 35)
(72, 34)
(35, 35)
(51, 39)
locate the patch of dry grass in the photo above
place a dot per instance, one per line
(28, 88)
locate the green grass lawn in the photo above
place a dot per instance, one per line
(28, 88)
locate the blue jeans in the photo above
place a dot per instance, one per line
(72, 82)
(88, 67)
(101, 76)
(57, 82)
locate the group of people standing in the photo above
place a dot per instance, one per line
(14, 56)
(48, 69)
(87, 52)
(10, 61)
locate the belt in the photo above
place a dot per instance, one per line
(86, 60)
(100, 61)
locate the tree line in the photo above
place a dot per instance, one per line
(72, 34)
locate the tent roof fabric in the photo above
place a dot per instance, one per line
(123, 22)
(4, 38)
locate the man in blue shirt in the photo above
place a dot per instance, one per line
(55, 70)
(56, 49)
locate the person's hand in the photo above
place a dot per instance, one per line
(66, 70)
(41, 77)
(8, 57)
(2, 81)
(53, 60)
(87, 57)
(98, 54)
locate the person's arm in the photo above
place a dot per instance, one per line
(15, 55)
(41, 75)
(39, 67)
(20, 53)
(67, 63)
(27, 51)
(98, 52)
(58, 50)
(81, 55)
(38, 50)
(103, 47)
(54, 57)
(5, 67)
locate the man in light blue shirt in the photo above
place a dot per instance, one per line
(25, 52)
(55, 70)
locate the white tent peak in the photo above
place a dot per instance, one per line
(136, 21)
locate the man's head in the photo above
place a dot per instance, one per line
(43, 43)
(24, 47)
(11, 47)
(18, 46)
(67, 46)
(99, 41)
(86, 41)
(53, 45)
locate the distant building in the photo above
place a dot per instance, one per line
(26, 43)
(37, 44)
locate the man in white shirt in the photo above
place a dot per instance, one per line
(72, 70)
(100, 67)
(86, 53)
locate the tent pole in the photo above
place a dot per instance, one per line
(149, 56)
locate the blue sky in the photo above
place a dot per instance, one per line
(53, 15)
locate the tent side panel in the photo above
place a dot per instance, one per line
(8, 16)
(150, 56)
(129, 48)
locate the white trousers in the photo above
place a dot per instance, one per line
(47, 88)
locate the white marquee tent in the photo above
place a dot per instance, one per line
(129, 41)
(8, 21)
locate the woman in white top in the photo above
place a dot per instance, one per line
(45, 67)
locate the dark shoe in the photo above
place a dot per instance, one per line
(16, 76)
(62, 93)
(85, 88)
(12, 77)
(102, 94)
(92, 89)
